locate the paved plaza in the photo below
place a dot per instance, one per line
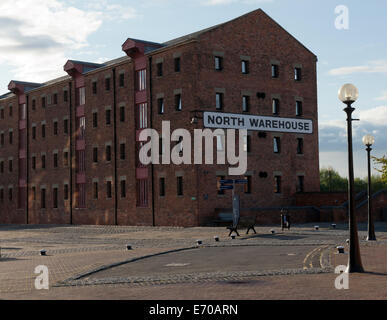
(92, 262)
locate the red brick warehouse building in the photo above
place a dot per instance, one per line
(69, 147)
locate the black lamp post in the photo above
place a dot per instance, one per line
(368, 141)
(348, 94)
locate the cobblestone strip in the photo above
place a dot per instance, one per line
(188, 278)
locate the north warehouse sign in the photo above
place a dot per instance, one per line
(256, 123)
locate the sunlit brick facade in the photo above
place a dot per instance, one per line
(69, 147)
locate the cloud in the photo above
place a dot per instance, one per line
(36, 46)
(375, 66)
(383, 97)
(333, 133)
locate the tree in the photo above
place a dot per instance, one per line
(331, 181)
(383, 163)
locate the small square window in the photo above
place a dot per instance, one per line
(246, 103)
(107, 115)
(274, 71)
(94, 87)
(177, 65)
(108, 189)
(123, 189)
(178, 104)
(298, 108)
(122, 151)
(160, 103)
(276, 106)
(65, 96)
(297, 74)
(55, 128)
(107, 84)
(95, 119)
(55, 98)
(245, 67)
(277, 144)
(219, 101)
(108, 153)
(43, 130)
(55, 160)
(66, 126)
(122, 114)
(95, 154)
(218, 63)
(122, 80)
(160, 69)
(277, 184)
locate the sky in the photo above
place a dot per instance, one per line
(37, 37)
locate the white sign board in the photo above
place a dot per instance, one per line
(256, 123)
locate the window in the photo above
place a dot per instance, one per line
(43, 158)
(33, 162)
(122, 80)
(34, 133)
(55, 198)
(2, 195)
(65, 158)
(162, 187)
(160, 69)
(142, 116)
(108, 153)
(277, 144)
(55, 128)
(95, 119)
(122, 151)
(247, 186)
(108, 189)
(218, 184)
(43, 102)
(10, 194)
(218, 63)
(300, 146)
(298, 108)
(300, 184)
(107, 116)
(160, 103)
(274, 71)
(141, 80)
(10, 137)
(55, 160)
(122, 113)
(65, 126)
(95, 190)
(178, 105)
(123, 189)
(43, 198)
(2, 113)
(65, 95)
(2, 139)
(277, 184)
(55, 98)
(245, 103)
(94, 87)
(297, 74)
(161, 146)
(33, 190)
(177, 64)
(66, 192)
(107, 84)
(276, 106)
(10, 111)
(10, 165)
(33, 106)
(179, 186)
(219, 101)
(245, 67)
(1, 166)
(43, 130)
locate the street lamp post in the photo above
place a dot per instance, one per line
(368, 141)
(348, 94)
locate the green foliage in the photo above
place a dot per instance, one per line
(383, 163)
(331, 181)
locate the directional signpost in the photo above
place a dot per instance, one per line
(230, 185)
